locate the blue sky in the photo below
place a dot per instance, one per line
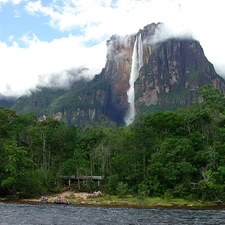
(44, 39)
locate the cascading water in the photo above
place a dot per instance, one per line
(137, 63)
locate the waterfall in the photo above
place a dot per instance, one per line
(137, 63)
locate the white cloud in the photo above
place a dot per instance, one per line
(33, 7)
(96, 21)
(25, 68)
(10, 38)
(15, 2)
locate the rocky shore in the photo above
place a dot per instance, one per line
(98, 199)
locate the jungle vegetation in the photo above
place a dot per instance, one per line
(174, 153)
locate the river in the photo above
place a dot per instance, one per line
(43, 214)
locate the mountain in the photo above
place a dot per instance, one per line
(144, 73)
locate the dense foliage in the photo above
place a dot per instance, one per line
(176, 153)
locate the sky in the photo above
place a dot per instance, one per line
(52, 42)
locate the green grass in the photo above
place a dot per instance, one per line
(131, 201)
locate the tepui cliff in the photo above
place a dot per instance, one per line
(142, 75)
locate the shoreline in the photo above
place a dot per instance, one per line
(211, 207)
(88, 199)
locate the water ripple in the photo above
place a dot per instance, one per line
(44, 214)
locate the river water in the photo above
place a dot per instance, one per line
(41, 214)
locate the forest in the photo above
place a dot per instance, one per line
(174, 153)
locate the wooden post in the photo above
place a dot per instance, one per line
(69, 182)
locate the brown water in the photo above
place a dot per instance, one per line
(43, 214)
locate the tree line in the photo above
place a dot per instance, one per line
(174, 153)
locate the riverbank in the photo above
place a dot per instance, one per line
(98, 199)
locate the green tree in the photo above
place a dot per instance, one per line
(7, 118)
(17, 163)
(171, 168)
(212, 98)
(122, 189)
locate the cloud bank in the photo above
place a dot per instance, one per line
(29, 61)
(25, 68)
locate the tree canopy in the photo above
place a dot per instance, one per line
(178, 153)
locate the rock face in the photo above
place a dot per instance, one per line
(83, 105)
(172, 72)
(118, 68)
(164, 74)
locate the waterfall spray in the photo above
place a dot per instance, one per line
(137, 63)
